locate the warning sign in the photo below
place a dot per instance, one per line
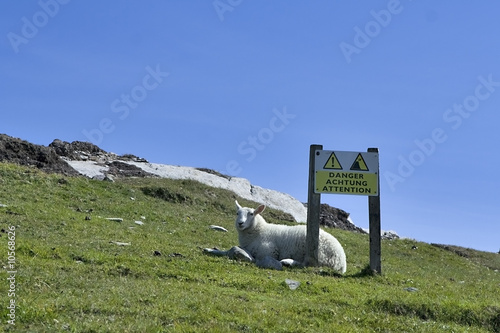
(333, 163)
(360, 179)
(356, 183)
(359, 164)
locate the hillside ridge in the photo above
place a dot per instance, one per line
(84, 158)
(89, 251)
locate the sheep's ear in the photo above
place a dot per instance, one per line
(237, 204)
(259, 209)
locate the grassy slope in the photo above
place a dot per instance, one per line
(71, 278)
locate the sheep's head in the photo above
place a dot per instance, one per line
(246, 216)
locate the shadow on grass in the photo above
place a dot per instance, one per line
(330, 272)
(365, 272)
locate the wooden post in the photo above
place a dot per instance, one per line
(313, 210)
(375, 230)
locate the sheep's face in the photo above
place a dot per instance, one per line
(245, 218)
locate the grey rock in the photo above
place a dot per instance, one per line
(292, 284)
(389, 235)
(235, 252)
(120, 243)
(269, 262)
(238, 253)
(116, 219)
(218, 228)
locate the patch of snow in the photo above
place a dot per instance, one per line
(239, 186)
(88, 168)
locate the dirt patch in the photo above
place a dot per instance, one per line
(22, 152)
(121, 169)
(213, 172)
(337, 218)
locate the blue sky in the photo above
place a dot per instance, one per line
(245, 87)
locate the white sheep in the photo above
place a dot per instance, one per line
(284, 243)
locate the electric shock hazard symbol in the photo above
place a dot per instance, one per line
(333, 163)
(359, 164)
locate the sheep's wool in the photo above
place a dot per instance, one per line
(261, 239)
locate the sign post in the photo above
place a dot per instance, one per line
(375, 229)
(313, 210)
(343, 172)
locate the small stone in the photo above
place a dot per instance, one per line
(218, 228)
(157, 253)
(120, 243)
(116, 219)
(411, 289)
(216, 252)
(109, 178)
(389, 235)
(139, 222)
(238, 253)
(98, 177)
(292, 284)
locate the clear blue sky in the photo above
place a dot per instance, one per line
(245, 87)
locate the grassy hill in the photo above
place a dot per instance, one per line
(71, 277)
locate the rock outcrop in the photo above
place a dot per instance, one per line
(84, 158)
(22, 152)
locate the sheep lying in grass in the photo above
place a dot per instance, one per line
(273, 245)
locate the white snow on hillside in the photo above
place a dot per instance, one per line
(239, 186)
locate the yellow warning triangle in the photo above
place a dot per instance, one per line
(333, 163)
(359, 164)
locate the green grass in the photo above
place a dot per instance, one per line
(72, 279)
